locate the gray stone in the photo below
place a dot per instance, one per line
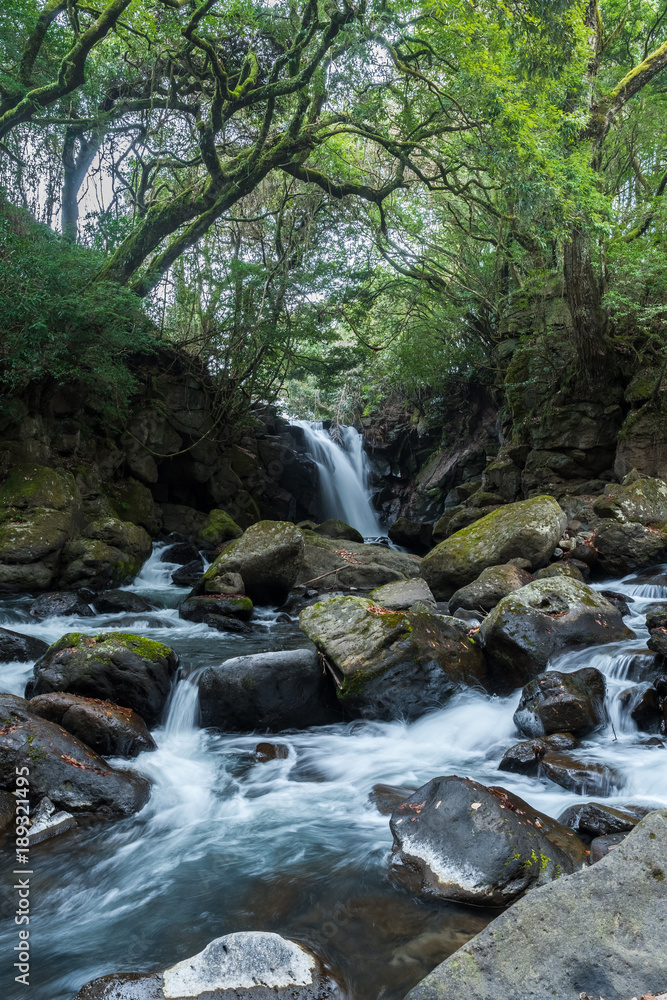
(597, 819)
(490, 587)
(47, 822)
(558, 703)
(599, 932)
(268, 557)
(330, 564)
(15, 647)
(400, 596)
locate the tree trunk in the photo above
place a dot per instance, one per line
(583, 299)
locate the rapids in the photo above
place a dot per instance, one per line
(293, 845)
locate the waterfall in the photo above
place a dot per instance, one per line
(344, 475)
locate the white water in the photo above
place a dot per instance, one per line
(344, 476)
(227, 844)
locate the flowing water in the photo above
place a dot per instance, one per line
(344, 475)
(294, 845)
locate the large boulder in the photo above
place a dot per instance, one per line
(599, 932)
(60, 604)
(539, 621)
(392, 664)
(333, 527)
(330, 564)
(623, 548)
(38, 514)
(112, 666)
(132, 501)
(288, 689)
(530, 529)
(562, 703)
(643, 501)
(490, 587)
(251, 965)
(17, 648)
(456, 839)
(61, 767)
(268, 558)
(400, 596)
(112, 731)
(108, 553)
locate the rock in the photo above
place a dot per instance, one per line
(333, 528)
(189, 574)
(267, 557)
(120, 601)
(386, 798)
(599, 932)
(112, 666)
(48, 822)
(334, 565)
(562, 703)
(643, 501)
(656, 622)
(601, 846)
(457, 518)
(63, 768)
(525, 757)
(620, 601)
(414, 535)
(186, 520)
(181, 553)
(490, 587)
(392, 664)
(109, 552)
(565, 568)
(201, 609)
(582, 777)
(400, 596)
(253, 965)
(265, 752)
(17, 648)
(219, 528)
(110, 730)
(530, 529)
(646, 704)
(60, 604)
(458, 840)
(540, 621)
(624, 548)
(597, 819)
(132, 501)
(288, 689)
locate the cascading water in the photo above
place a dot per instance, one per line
(344, 476)
(226, 843)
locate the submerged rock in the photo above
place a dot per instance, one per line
(288, 689)
(267, 557)
(530, 529)
(556, 703)
(112, 731)
(491, 586)
(112, 666)
(63, 768)
(456, 839)
(580, 776)
(392, 664)
(599, 932)
(15, 647)
(120, 601)
(539, 621)
(60, 604)
(253, 965)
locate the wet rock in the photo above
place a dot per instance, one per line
(621, 602)
(265, 752)
(60, 604)
(646, 704)
(288, 689)
(580, 776)
(601, 846)
(334, 528)
(120, 601)
(525, 757)
(624, 548)
(539, 621)
(199, 609)
(597, 819)
(63, 768)
(490, 587)
(656, 622)
(48, 822)
(414, 535)
(253, 965)
(189, 574)
(530, 529)
(112, 666)
(392, 664)
(565, 568)
(562, 703)
(400, 596)
(268, 558)
(15, 647)
(334, 565)
(180, 552)
(577, 935)
(456, 839)
(108, 553)
(112, 731)
(386, 798)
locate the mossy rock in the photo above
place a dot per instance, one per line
(333, 564)
(392, 664)
(219, 528)
(110, 553)
(268, 558)
(643, 501)
(530, 529)
(132, 501)
(36, 486)
(334, 528)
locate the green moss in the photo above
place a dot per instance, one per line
(219, 528)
